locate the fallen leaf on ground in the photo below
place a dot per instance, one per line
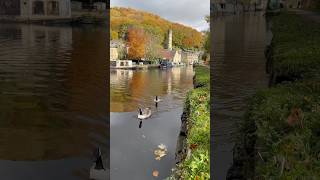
(193, 146)
(295, 116)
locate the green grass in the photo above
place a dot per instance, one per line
(288, 151)
(281, 127)
(202, 76)
(296, 46)
(197, 106)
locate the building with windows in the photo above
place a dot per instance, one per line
(190, 58)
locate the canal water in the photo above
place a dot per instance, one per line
(133, 144)
(238, 68)
(53, 101)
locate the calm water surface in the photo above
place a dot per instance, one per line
(238, 71)
(53, 101)
(132, 148)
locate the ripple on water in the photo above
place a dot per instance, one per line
(132, 144)
(238, 70)
(53, 100)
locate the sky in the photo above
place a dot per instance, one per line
(187, 12)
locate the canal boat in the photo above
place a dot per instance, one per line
(144, 113)
(122, 64)
(166, 64)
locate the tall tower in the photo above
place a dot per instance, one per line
(169, 45)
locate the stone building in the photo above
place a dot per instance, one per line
(114, 54)
(190, 58)
(178, 57)
(35, 9)
(118, 49)
(174, 56)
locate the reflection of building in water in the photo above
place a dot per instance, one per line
(36, 9)
(176, 73)
(118, 75)
(188, 71)
(169, 90)
(36, 60)
(54, 91)
(36, 44)
(57, 36)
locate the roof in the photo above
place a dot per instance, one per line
(168, 54)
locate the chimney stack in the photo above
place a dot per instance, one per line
(169, 45)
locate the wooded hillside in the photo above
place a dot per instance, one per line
(156, 27)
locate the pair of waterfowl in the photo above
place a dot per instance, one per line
(146, 112)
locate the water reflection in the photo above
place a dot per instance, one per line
(53, 100)
(131, 89)
(133, 141)
(238, 70)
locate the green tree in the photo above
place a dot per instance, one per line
(153, 48)
(207, 42)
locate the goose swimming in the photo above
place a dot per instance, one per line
(97, 171)
(157, 99)
(144, 113)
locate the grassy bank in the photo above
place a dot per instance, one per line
(197, 106)
(295, 48)
(281, 128)
(287, 123)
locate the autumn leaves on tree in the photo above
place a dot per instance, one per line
(146, 33)
(136, 43)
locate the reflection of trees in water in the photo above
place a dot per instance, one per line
(129, 93)
(48, 98)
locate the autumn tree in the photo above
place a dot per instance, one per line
(153, 48)
(122, 19)
(136, 43)
(114, 35)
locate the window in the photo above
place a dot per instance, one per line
(53, 8)
(121, 64)
(38, 8)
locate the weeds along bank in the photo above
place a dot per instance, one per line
(281, 128)
(294, 51)
(195, 151)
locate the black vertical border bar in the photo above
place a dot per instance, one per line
(211, 90)
(108, 83)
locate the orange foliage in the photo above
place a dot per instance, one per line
(136, 43)
(183, 36)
